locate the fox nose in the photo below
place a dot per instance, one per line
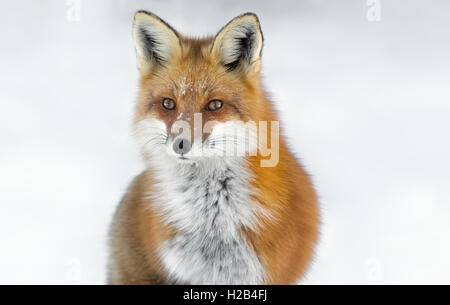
(181, 146)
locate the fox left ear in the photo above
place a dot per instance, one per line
(157, 43)
(238, 44)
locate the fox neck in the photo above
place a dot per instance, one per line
(208, 204)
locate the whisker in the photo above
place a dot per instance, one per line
(158, 140)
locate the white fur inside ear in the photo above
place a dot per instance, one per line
(240, 39)
(155, 40)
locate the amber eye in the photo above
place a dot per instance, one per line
(168, 103)
(214, 105)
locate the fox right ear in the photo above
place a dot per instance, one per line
(157, 43)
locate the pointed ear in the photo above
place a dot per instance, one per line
(238, 45)
(157, 43)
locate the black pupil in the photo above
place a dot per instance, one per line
(215, 105)
(168, 103)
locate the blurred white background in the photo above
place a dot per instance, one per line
(366, 105)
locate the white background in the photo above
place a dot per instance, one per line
(366, 106)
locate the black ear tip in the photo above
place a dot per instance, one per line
(144, 12)
(155, 17)
(249, 14)
(147, 13)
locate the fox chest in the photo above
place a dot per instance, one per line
(208, 213)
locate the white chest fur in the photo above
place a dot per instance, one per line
(207, 204)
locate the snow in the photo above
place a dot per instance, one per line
(365, 106)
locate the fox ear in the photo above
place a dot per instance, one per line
(238, 44)
(157, 43)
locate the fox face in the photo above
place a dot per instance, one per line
(193, 91)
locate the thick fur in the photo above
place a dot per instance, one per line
(209, 219)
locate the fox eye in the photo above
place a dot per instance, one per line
(168, 103)
(214, 105)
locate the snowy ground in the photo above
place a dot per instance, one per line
(365, 104)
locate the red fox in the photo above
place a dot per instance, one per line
(196, 216)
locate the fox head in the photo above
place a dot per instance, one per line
(193, 90)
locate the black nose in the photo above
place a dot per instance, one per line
(181, 146)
